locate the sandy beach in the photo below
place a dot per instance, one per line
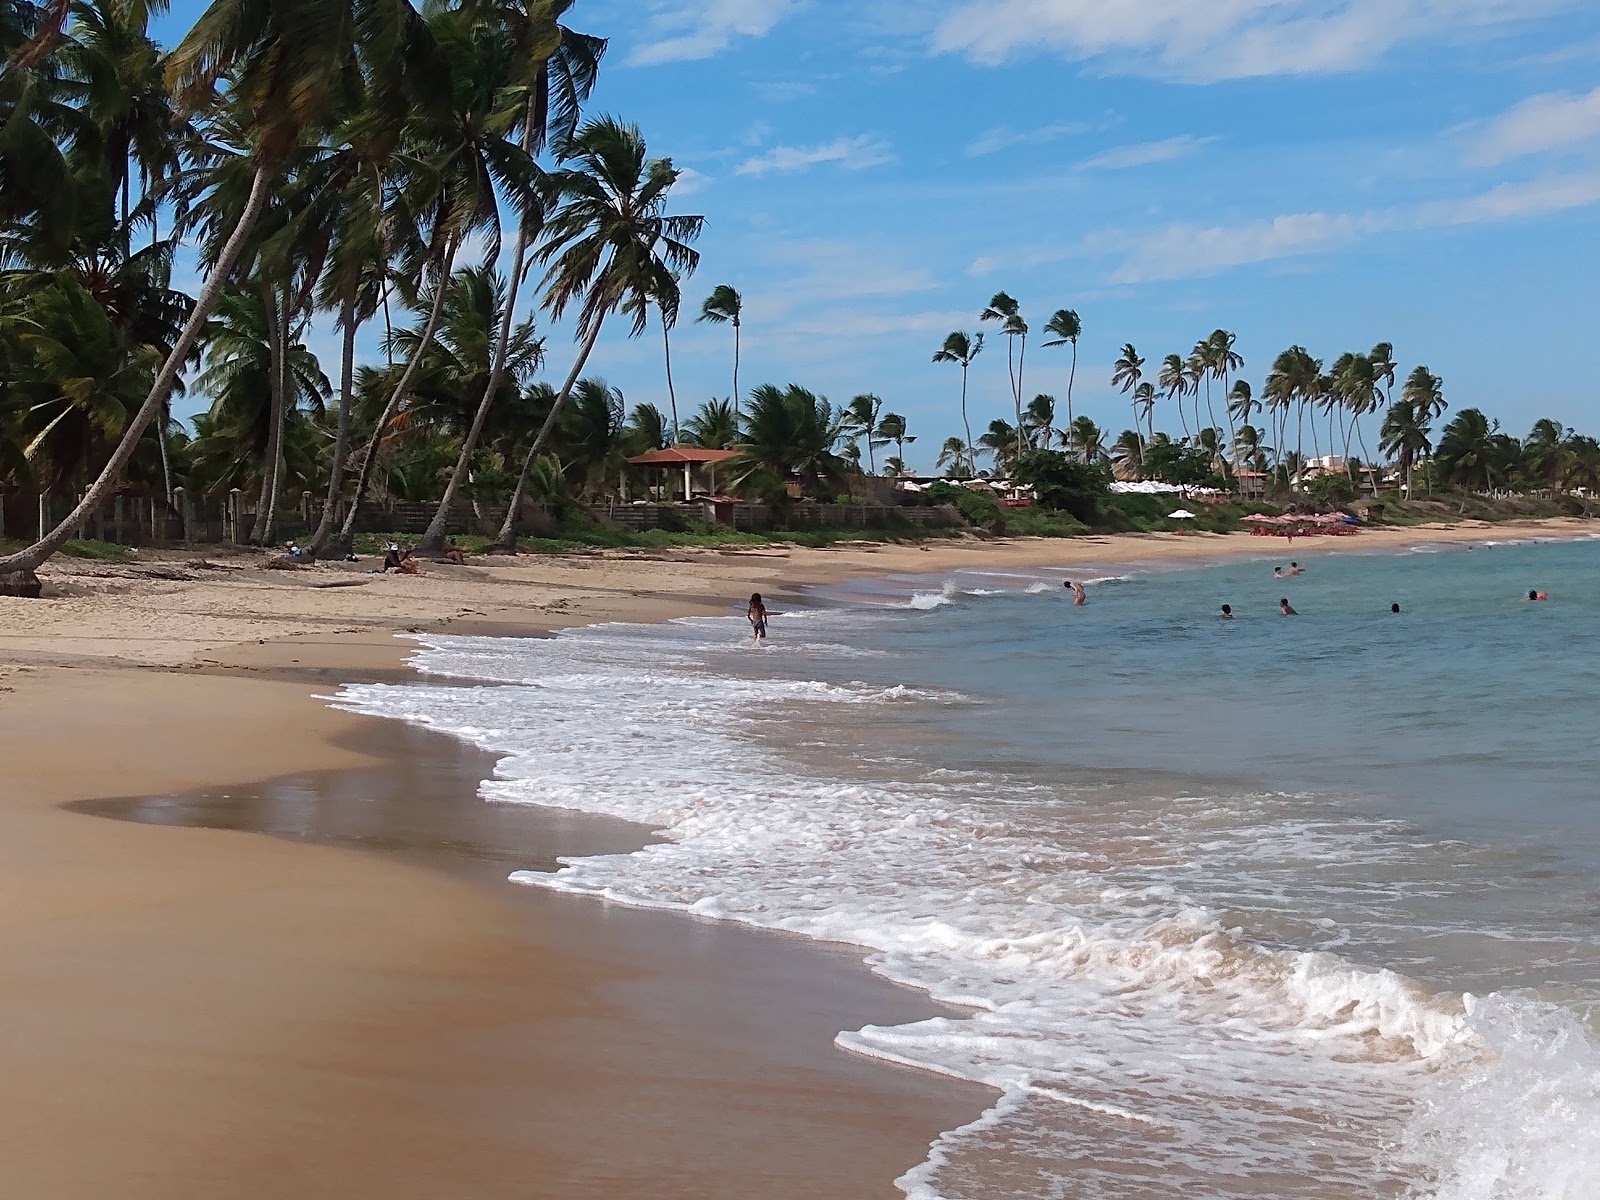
(200, 1012)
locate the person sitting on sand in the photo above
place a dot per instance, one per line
(391, 557)
(409, 564)
(756, 614)
(452, 553)
(1079, 596)
(1286, 608)
(1227, 612)
(1538, 595)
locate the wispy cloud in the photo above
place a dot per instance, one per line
(689, 182)
(1553, 121)
(784, 91)
(850, 153)
(1185, 251)
(1234, 39)
(1145, 154)
(687, 30)
(1004, 138)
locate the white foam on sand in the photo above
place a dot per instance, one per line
(1133, 1031)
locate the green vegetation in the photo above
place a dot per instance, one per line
(88, 548)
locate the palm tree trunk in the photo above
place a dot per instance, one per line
(29, 559)
(1022, 355)
(396, 398)
(280, 392)
(736, 377)
(1072, 377)
(506, 541)
(341, 441)
(161, 424)
(972, 461)
(269, 461)
(432, 542)
(672, 395)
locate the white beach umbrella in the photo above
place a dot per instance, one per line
(1183, 514)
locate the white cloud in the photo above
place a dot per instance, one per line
(689, 182)
(1539, 124)
(687, 30)
(1146, 153)
(1220, 39)
(1185, 251)
(1004, 138)
(853, 154)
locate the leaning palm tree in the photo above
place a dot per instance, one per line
(962, 348)
(1424, 391)
(1064, 329)
(1144, 405)
(1039, 419)
(892, 428)
(1084, 436)
(1000, 440)
(1127, 454)
(1404, 438)
(285, 64)
(608, 244)
(1224, 361)
(726, 307)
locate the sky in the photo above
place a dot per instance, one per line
(1330, 173)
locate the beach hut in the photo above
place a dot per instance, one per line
(699, 467)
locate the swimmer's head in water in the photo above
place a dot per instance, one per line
(1533, 595)
(1394, 608)
(1227, 610)
(1284, 603)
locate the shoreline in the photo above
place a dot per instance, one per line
(156, 976)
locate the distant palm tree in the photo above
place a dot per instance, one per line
(1039, 420)
(726, 307)
(1424, 391)
(1582, 466)
(1404, 438)
(1544, 452)
(962, 348)
(788, 434)
(1065, 329)
(892, 428)
(861, 423)
(1467, 450)
(1144, 405)
(954, 459)
(1004, 309)
(1224, 362)
(1127, 373)
(1174, 380)
(1127, 453)
(646, 429)
(714, 427)
(895, 467)
(1000, 440)
(1087, 439)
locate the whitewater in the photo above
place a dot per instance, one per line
(1288, 978)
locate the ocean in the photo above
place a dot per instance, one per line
(1272, 907)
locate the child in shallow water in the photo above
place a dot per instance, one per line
(756, 614)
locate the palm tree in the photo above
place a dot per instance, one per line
(1424, 391)
(954, 457)
(1248, 447)
(861, 421)
(714, 427)
(1404, 437)
(1467, 450)
(1004, 309)
(608, 242)
(1174, 381)
(726, 307)
(1039, 420)
(1144, 405)
(646, 429)
(1544, 452)
(1064, 329)
(1085, 437)
(1582, 467)
(1127, 454)
(1224, 361)
(282, 81)
(788, 434)
(892, 428)
(962, 348)
(1000, 440)
(1127, 373)
(1295, 379)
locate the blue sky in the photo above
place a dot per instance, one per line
(1328, 172)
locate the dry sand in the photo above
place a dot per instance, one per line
(195, 1013)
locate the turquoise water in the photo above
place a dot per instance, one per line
(1274, 907)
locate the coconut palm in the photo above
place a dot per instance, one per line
(1064, 329)
(954, 459)
(1405, 438)
(1424, 391)
(1127, 373)
(608, 244)
(1144, 405)
(1000, 440)
(1127, 454)
(789, 434)
(1085, 437)
(646, 429)
(1224, 361)
(1468, 454)
(1008, 313)
(714, 427)
(962, 348)
(1174, 380)
(726, 307)
(861, 423)
(892, 428)
(1039, 420)
(286, 64)
(1544, 452)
